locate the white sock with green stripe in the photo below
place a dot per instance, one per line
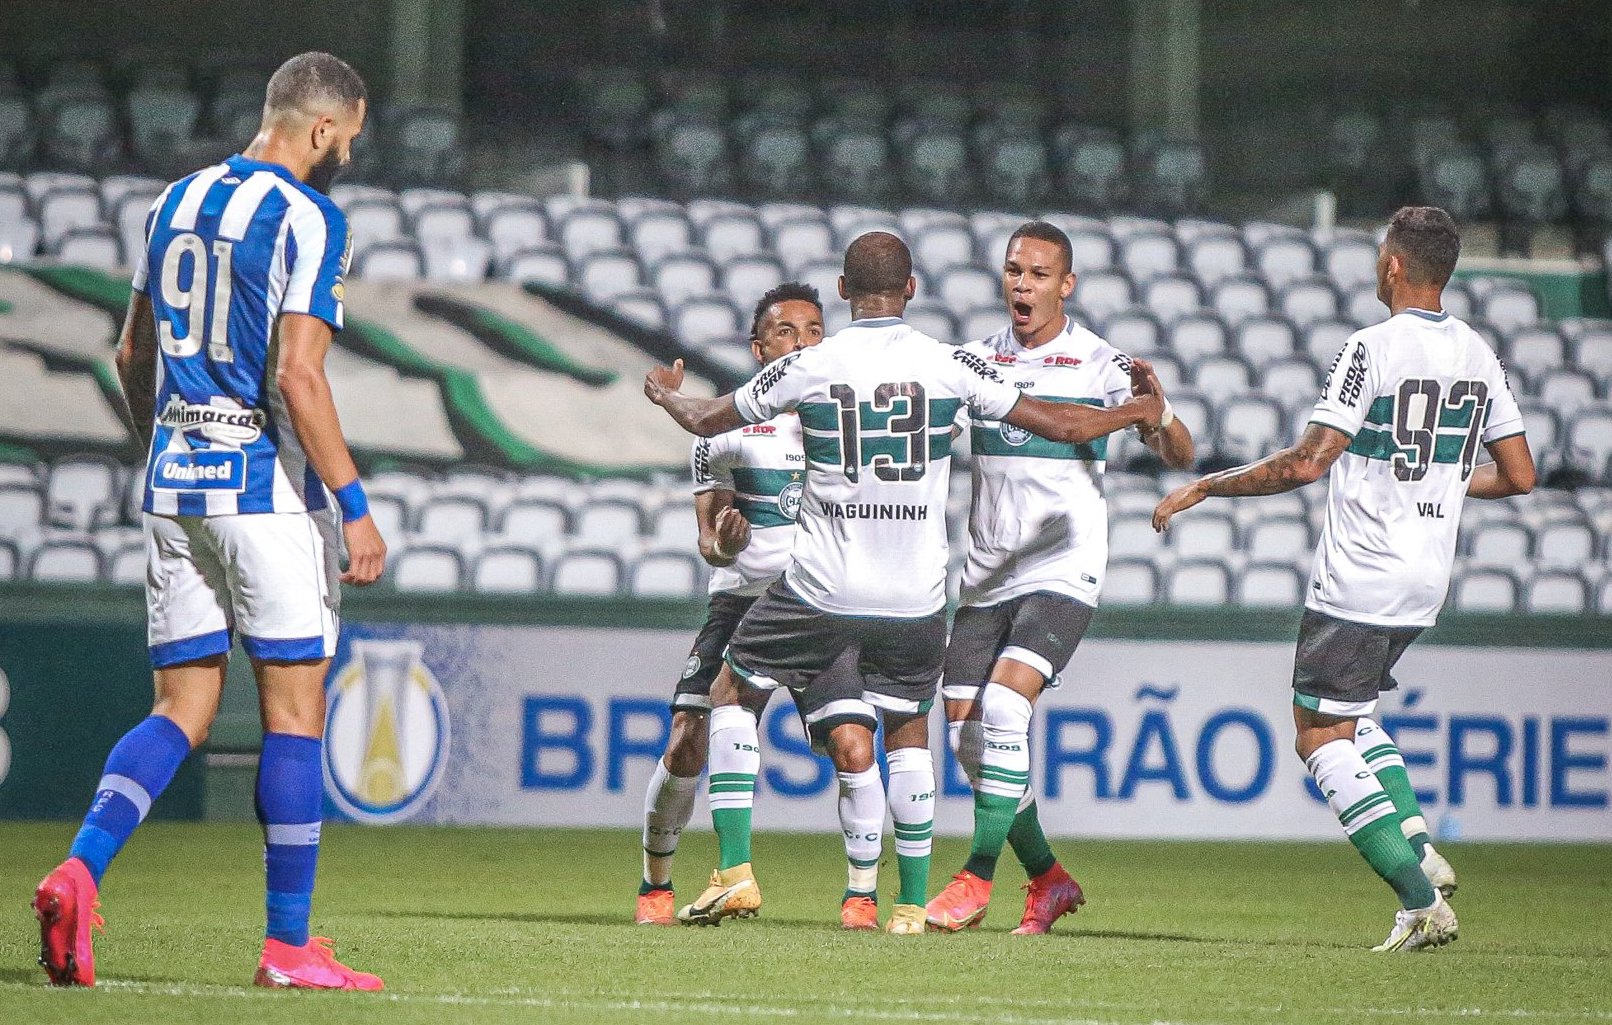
(912, 810)
(735, 760)
(1004, 774)
(1383, 757)
(1366, 813)
(862, 823)
(668, 805)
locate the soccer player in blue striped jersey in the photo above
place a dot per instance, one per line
(236, 298)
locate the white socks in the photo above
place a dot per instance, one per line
(862, 822)
(668, 805)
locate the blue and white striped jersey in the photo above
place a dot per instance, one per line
(228, 250)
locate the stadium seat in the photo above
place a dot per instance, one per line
(675, 526)
(1264, 340)
(729, 236)
(1172, 296)
(507, 569)
(1530, 191)
(1566, 390)
(1457, 180)
(1362, 307)
(81, 134)
(1294, 382)
(1199, 582)
(1485, 590)
(66, 560)
(775, 159)
(1534, 350)
(643, 307)
(1592, 352)
(853, 163)
(980, 322)
(583, 572)
(963, 288)
(658, 234)
(683, 275)
(1133, 536)
(1250, 428)
(619, 105)
(428, 568)
(934, 166)
(1135, 331)
(1203, 534)
(441, 219)
(1556, 592)
(1130, 582)
(1220, 378)
(83, 492)
(1509, 307)
(391, 514)
(747, 278)
(702, 320)
(1213, 258)
(1279, 538)
(1500, 545)
(1238, 298)
(534, 521)
(455, 259)
(1309, 301)
(372, 221)
(545, 264)
(389, 261)
(1170, 178)
(1149, 255)
(800, 241)
(1324, 339)
(1198, 335)
(1191, 408)
(667, 574)
(1603, 601)
(1014, 168)
(451, 520)
(1589, 443)
(514, 227)
(609, 523)
(1285, 259)
(127, 565)
(941, 246)
(1565, 545)
(588, 230)
(1350, 261)
(1270, 585)
(423, 148)
(63, 209)
(90, 247)
(22, 509)
(1093, 173)
(607, 273)
(1101, 294)
(161, 120)
(934, 320)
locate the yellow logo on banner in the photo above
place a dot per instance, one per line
(386, 732)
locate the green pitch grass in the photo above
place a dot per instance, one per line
(483, 925)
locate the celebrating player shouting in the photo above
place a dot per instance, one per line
(1038, 547)
(868, 571)
(1398, 427)
(236, 298)
(748, 485)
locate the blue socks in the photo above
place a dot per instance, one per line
(290, 797)
(139, 768)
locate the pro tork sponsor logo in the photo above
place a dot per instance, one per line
(386, 732)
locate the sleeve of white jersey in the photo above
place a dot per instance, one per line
(980, 387)
(140, 280)
(712, 464)
(1116, 379)
(316, 252)
(1505, 419)
(777, 389)
(1350, 387)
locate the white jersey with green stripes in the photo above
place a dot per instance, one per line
(1417, 394)
(764, 467)
(876, 404)
(1039, 522)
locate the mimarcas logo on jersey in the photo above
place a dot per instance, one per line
(386, 732)
(221, 420)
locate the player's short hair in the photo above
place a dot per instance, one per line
(789, 291)
(1044, 231)
(1427, 240)
(877, 263)
(312, 83)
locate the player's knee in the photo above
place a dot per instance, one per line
(850, 746)
(1005, 710)
(686, 749)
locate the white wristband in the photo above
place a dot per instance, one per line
(1167, 417)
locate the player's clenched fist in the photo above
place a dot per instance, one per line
(663, 381)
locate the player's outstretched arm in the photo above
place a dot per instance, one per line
(724, 532)
(304, 342)
(1074, 424)
(1511, 473)
(1306, 462)
(703, 417)
(137, 365)
(1173, 441)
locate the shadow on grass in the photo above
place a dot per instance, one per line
(569, 918)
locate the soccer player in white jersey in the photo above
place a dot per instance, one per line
(235, 300)
(867, 577)
(1038, 547)
(1402, 414)
(748, 485)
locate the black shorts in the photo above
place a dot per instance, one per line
(693, 692)
(1341, 666)
(1040, 629)
(822, 657)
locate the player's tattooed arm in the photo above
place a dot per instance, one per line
(1511, 473)
(724, 532)
(137, 366)
(1171, 443)
(1304, 463)
(703, 417)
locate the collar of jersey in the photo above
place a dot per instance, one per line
(1437, 318)
(1059, 343)
(877, 322)
(246, 165)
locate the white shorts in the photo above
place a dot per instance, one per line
(274, 576)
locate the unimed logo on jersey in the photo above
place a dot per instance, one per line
(386, 732)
